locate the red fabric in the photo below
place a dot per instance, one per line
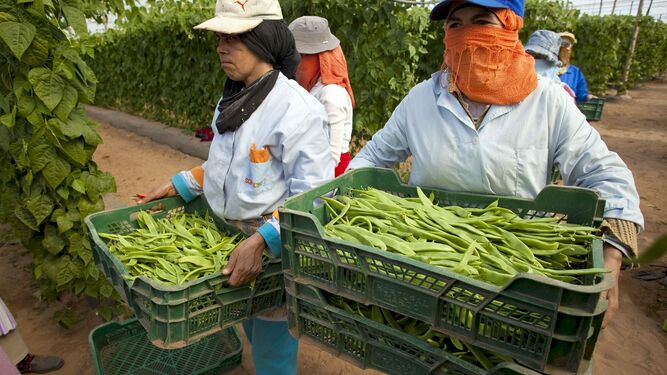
(204, 134)
(342, 165)
(488, 64)
(308, 71)
(330, 66)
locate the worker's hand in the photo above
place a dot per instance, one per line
(613, 258)
(166, 190)
(245, 263)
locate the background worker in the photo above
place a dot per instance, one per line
(544, 46)
(571, 74)
(323, 72)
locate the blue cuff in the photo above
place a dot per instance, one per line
(182, 187)
(271, 237)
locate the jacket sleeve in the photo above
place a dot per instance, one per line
(189, 184)
(307, 163)
(585, 161)
(338, 106)
(389, 145)
(582, 87)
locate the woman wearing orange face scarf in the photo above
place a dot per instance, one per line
(323, 72)
(486, 123)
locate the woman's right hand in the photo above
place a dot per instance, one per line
(166, 190)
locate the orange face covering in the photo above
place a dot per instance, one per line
(488, 64)
(330, 66)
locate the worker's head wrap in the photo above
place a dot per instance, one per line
(328, 66)
(488, 64)
(272, 42)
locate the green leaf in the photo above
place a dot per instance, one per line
(79, 286)
(37, 53)
(67, 104)
(74, 149)
(17, 36)
(53, 242)
(40, 206)
(91, 137)
(56, 171)
(87, 207)
(71, 128)
(65, 318)
(18, 151)
(26, 104)
(9, 119)
(4, 17)
(4, 139)
(25, 217)
(63, 192)
(40, 156)
(106, 290)
(64, 224)
(76, 19)
(48, 86)
(79, 186)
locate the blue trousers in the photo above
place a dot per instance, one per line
(274, 350)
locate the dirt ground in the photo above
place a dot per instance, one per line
(633, 344)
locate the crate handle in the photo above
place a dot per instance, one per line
(306, 200)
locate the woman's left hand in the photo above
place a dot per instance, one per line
(613, 258)
(245, 263)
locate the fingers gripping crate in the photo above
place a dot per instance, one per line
(124, 349)
(545, 324)
(176, 316)
(369, 344)
(592, 109)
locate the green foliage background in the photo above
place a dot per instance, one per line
(163, 70)
(48, 182)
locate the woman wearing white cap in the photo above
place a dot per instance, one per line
(486, 124)
(323, 72)
(270, 142)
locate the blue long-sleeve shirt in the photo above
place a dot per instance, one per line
(574, 78)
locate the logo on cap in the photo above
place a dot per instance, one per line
(242, 4)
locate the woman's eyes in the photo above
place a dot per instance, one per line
(455, 24)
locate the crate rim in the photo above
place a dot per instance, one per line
(153, 284)
(604, 284)
(115, 323)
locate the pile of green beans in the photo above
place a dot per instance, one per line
(172, 251)
(491, 244)
(422, 331)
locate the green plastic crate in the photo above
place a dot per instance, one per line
(176, 316)
(124, 349)
(592, 109)
(369, 344)
(545, 324)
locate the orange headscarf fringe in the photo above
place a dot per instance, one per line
(488, 64)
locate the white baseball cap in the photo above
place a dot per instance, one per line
(240, 16)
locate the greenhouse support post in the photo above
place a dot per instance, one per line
(633, 43)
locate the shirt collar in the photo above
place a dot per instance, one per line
(449, 102)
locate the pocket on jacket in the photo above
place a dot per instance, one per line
(258, 178)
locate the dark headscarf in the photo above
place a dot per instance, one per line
(272, 42)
